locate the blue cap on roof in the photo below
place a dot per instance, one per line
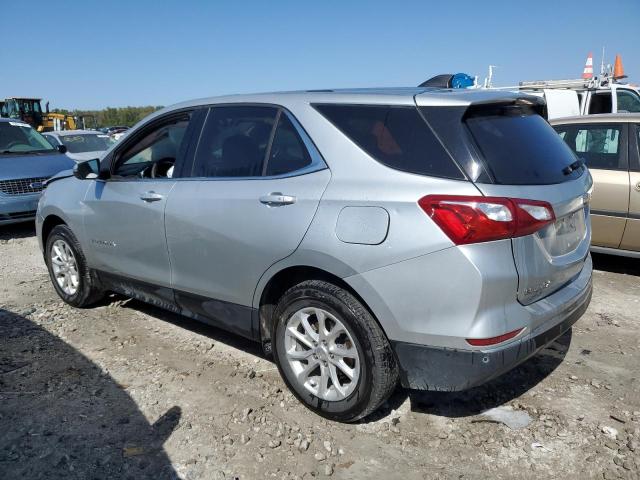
(462, 80)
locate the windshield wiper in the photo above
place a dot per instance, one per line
(573, 167)
(25, 152)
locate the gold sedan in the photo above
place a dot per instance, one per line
(609, 144)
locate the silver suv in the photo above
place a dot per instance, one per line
(429, 237)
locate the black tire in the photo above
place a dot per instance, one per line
(378, 366)
(88, 291)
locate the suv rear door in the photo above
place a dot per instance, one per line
(509, 150)
(253, 190)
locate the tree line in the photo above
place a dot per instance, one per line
(111, 116)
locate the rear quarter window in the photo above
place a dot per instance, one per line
(519, 147)
(397, 137)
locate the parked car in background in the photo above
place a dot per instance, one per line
(27, 160)
(115, 130)
(609, 144)
(81, 144)
(118, 135)
(363, 236)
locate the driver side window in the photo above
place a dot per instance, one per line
(155, 153)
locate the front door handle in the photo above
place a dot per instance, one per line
(276, 199)
(151, 196)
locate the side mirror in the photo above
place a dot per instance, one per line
(62, 148)
(87, 170)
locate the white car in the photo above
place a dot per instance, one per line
(117, 136)
(81, 144)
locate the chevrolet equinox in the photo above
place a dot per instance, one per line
(429, 237)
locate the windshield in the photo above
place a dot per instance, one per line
(86, 142)
(18, 137)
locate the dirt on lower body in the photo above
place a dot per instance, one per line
(125, 390)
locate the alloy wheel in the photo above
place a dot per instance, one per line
(65, 267)
(322, 354)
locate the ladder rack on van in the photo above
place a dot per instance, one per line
(578, 83)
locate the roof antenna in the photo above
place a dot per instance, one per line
(488, 82)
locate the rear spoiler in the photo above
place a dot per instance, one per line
(473, 100)
(537, 104)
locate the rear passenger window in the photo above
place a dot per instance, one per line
(234, 141)
(598, 145)
(397, 137)
(288, 152)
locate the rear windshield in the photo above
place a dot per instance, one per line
(519, 147)
(397, 137)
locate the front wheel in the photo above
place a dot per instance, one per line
(331, 352)
(68, 269)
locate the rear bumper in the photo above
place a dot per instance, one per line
(446, 369)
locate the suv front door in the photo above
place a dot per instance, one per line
(125, 220)
(255, 186)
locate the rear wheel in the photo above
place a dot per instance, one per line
(68, 269)
(331, 352)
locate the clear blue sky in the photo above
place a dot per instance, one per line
(93, 54)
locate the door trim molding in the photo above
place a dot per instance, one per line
(615, 251)
(607, 213)
(227, 316)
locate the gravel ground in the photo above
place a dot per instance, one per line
(125, 390)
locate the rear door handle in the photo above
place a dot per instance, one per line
(276, 199)
(151, 196)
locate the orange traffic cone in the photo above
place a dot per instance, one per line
(618, 69)
(587, 73)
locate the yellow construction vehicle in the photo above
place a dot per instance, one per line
(29, 110)
(26, 109)
(57, 121)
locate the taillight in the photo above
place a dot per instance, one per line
(486, 342)
(471, 219)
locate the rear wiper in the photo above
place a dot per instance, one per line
(573, 167)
